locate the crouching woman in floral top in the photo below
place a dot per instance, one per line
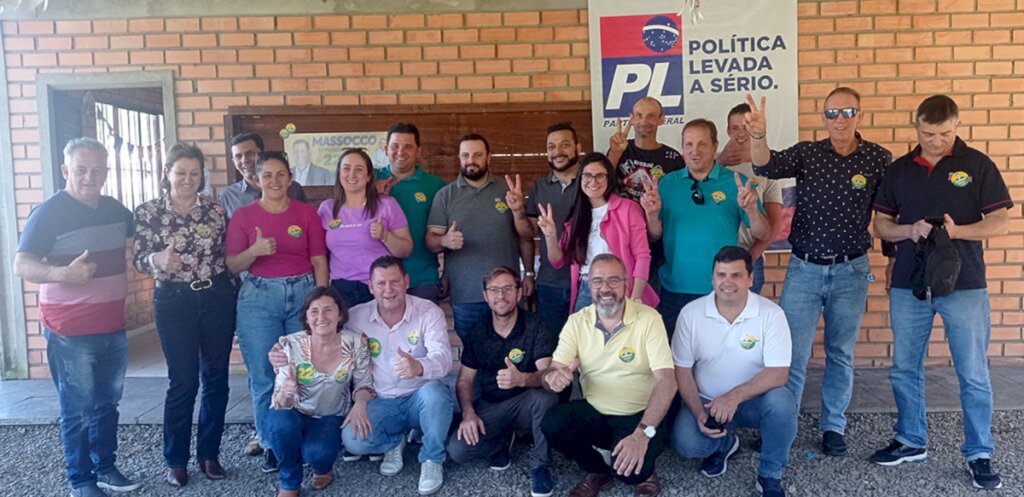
(327, 369)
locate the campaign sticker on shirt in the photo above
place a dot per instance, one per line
(413, 337)
(960, 179)
(516, 355)
(657, 172)
(341, 376)
(420, 197)
(203, 231)
(718, 196)
(334, 223)
(304, 372)
(374, 345)
(627, 354)
(859, 181)
(748, 341)
(500, 206)
(294, 231)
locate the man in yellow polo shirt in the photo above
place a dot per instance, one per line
(621, 351)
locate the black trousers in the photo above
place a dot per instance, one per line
(576, 427)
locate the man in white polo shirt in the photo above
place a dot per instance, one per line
(732, 353)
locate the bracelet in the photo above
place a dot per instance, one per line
(758, 137)
(530, 274)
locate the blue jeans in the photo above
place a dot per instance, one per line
(583, 297)
(297, 438)
(773, 413)
(88, 372)
(966, 319)
(268, 308)
(670, 305)
(842, 291)
(429, 410)
(468, 315)
(352, 292)
(758, 275)
(553, 308)
(196, 330)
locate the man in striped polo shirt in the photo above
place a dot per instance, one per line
(73, 246)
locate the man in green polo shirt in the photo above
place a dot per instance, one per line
(698, 210)
(414, 189)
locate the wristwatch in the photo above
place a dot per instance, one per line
(529, 274)
(648, 430)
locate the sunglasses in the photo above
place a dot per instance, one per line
(848, 113)
(697, 196)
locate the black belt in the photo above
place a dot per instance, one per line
(196, 286)
(827, 260)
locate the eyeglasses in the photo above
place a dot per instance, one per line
(612, 282)
(697, 196)
(499, 290)
(595, 177)
(848, 113)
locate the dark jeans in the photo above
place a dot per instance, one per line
(523, 412)
(553, 308)
(296, 438)
(670, 305)
(88, 371)
(196, 330)
(758, 275)
(575, 428)
(352, 292)
(466, 316)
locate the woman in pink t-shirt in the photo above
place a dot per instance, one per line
(361, 226)
(277, 246)
(600, 222)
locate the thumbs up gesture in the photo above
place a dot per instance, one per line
(510, 377)
(80, 270)
(746, 196)
(407, 366)
(452, 240)
(168, 259)
(263, 245)
(558, 377)
(377, 229)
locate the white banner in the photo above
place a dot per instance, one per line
(699, 58)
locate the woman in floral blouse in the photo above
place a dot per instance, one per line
(179, 240)
(324, 386)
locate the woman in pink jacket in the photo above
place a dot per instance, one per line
(600, 222)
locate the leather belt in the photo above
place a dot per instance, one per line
(827, 260)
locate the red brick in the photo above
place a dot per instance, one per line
(110, 26)
(126, 41)
(476, 51)
(405, 21)
(251, 85)
(292, 55)
(419, 68)
(423, 36)
(362, 84)
(386, 37)
(325, 85)
(256, 23)
(330, 22)
(73, 27)
(560, 17)
(349, 38)
(522, 18)
(444, 20)
(369, 22)
(274, 39)
(75, 59)
(498, 34)
(182, 25)
(401, 84)
(163, 41)
(316, 38)
(49, 43)
(39, 60)
(219, 24)
(460, 35)
(151, 57)
(294, 23)
(35, 27)
(483, 19)
(212, 56)
(237, 40)
(145, 25)
(214, 86)
(378, 99)
(273, 70)
(442, 52)
(415, 99)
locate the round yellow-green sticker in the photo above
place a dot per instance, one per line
(304, 372)
(374, 346)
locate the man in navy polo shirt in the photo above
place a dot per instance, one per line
(942, 179)
(499, 386)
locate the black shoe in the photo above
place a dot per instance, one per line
(769, 487)
(833, 444)
(88, 490)
(716, 464)
(896, 453)
(502, 459)
(112, 479)
(982, 475)
(269, 462)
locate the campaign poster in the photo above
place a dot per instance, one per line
(314, 156)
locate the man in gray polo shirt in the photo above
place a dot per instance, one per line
(472, 224)
(245, 148)
(558, 190)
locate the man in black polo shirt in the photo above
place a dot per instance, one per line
(946, 182)
(836, 182)
(558, 190)
(502, 357)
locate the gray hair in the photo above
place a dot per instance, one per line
(83, 143)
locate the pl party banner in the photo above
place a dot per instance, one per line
(699, 58)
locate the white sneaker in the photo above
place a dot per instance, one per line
(431, 477)
(393, 462)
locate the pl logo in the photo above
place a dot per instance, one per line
(641, 56)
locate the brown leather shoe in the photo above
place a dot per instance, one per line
(212, 469)
(649, 487)
(321, 482)
(591, 485)
(253, 447)
(177, 477)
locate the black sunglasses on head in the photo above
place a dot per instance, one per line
(848, 113)
(697, 196)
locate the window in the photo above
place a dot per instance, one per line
(135, 143)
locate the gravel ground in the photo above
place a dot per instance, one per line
(33, 465)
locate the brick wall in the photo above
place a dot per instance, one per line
(894, 53)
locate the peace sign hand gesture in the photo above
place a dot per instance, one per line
(755, 120)
(514, 198)
(746, 196)
(651, 199)
(546, 221)
(620, 140)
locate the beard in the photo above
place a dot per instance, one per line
(573, 160)
(473, 176)
(606, 311)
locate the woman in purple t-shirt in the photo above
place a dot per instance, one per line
(277, 246)
(361, 226)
